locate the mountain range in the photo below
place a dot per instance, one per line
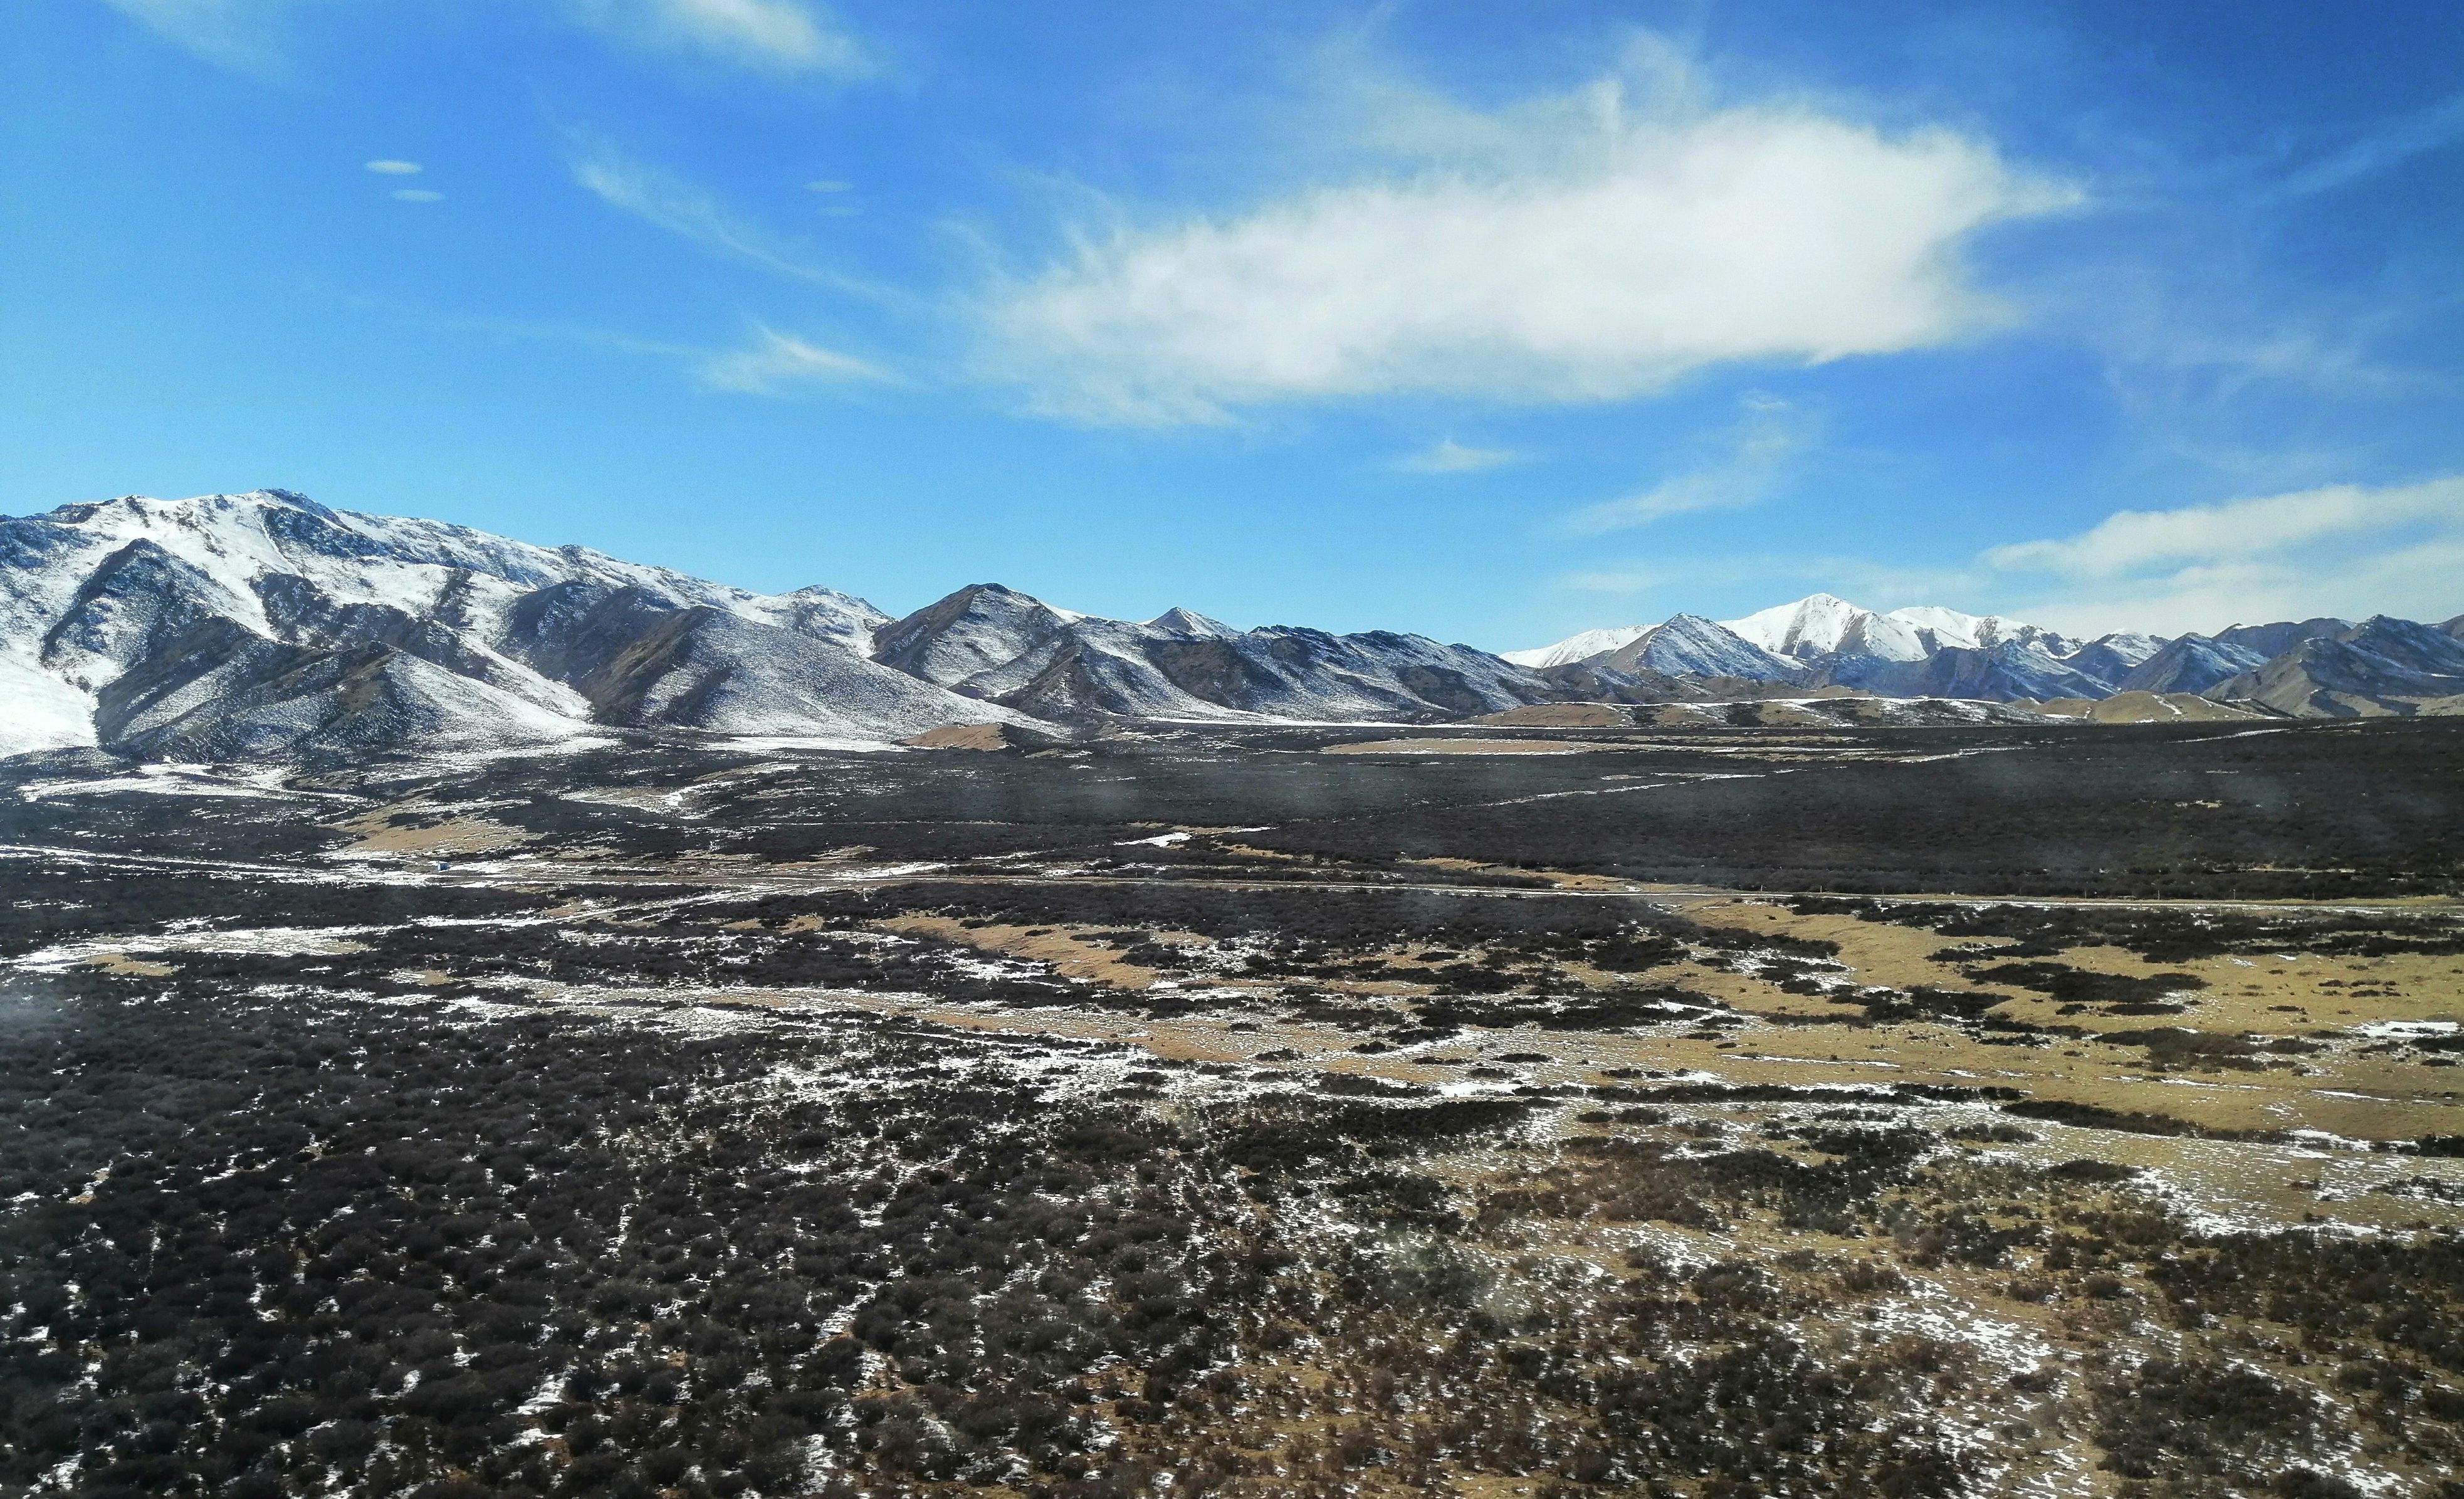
(2325, 668)
(233, 625)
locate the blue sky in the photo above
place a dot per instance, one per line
(1492, 322)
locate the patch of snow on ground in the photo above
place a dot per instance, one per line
(264, 941)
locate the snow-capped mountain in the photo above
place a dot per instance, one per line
(2271, 641)
(1941, 628)
(1823, 640)
(2008, 671)
(2382, 665)
(240, 624)
(2307, 667)
(2190, 664)
(1589, 645)
(1001, 646)
(1688, 645)
(234, 625)
(2112, 659)
(1189, 622)
(1822, 624)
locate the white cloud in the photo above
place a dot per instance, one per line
(1449, 456)
(239, 34)
(1580, 247)
(684, 208)
(418, 195)
(2345, 549)
(773, 36)
(2132, 541)
(2440, 125)
(776, 361)
(394, 168)
(1763, 445)
(771, 363)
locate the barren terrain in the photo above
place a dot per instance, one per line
(1712, 1111)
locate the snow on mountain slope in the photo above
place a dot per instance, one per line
(265, 623)
(258, 623)
(2106, 659)
(1578, 648)
(240, 622)
(2382, 665)
(636, 662)
(41, 711)
(2128, 645)
(1001, 646)
(1309, 673)
(841, 619)
(2009, 672)
(981, 628)
(1822, 624)
(2274, 640)
(360, 701)
(1689, 644)
(1176, 621)
(2190, 664)
(1943, 628)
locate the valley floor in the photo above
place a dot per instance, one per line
(1918, 1112)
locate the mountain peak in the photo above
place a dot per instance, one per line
(1824, 624)
(289, 499)
(1581, 647)
(1179, 621)
(1688, 645)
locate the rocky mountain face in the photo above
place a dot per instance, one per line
(233, 626)
(2309, 667)
(2271, 641)
(2378, 668)
(2190, 664)
(1692, 645)
(1937, 653)
(999, 646)
(238, 624)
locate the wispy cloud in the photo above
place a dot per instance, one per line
(787, 36)
(1448, 456)
(1622, 581)
(776, 362)
(1760, 448)
(2132, 541)
(242, 35)
(771, 363)
(1592, 246)
(685, 207)
(388, 167)
(2442, 124)
(2339, 549)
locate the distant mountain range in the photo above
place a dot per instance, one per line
(235, 625)
(2324, 668)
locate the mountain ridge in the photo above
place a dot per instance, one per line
(261, 622)
(264, 621)
(1930, 651)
